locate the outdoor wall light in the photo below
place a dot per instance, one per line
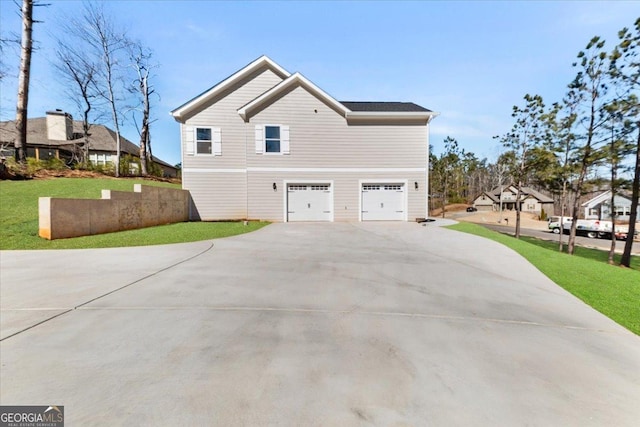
(415, 184)
(275, 187)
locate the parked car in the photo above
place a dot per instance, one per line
(471, 209)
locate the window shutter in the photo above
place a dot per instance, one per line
(259, 139)
(189, 135)
(217, 141)
(284, 139)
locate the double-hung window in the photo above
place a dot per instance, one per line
(272, 139)
(204, 141)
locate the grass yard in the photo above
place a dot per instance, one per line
(19, 216)
(612, 290)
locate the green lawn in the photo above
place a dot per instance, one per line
(612, 290)
(19, 216)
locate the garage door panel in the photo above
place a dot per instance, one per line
(383, 202)
(309, 202)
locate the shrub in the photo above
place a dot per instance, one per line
(54, 164)
(129, 165)
(155, 169)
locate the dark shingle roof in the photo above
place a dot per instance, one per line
(526, 191)
(101, 138)
(386, 107)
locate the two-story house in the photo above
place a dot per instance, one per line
(270, 145)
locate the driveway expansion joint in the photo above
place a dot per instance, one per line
(106, 294)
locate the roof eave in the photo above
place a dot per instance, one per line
(295, 78)
(179, 113)
(428, 115)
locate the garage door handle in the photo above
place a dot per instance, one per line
(382, 205)
(309, 205)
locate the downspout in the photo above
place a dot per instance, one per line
(426, 172)
(426, 181)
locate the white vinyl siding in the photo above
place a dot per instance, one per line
(223, 114)
(322, 147)
(321, 137)
(217, 195)
(266, 204)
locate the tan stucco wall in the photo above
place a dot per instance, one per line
(146, 206)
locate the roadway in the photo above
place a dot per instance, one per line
(602, 244)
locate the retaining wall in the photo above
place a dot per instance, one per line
(146, 206)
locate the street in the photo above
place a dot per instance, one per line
(586, 242)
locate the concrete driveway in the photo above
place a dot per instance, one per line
(337, 324)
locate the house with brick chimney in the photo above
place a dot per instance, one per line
(58, 136)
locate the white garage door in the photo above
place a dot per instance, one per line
(309, 202)
(383, 202)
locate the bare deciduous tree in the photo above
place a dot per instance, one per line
(79, 72)
(141, 62)
(102, 45)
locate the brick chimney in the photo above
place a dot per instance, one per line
(59, 125)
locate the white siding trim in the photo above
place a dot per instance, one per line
(189, 140)
(259, 138)
(216, 141)
(355, 170)
(284, 139)
(186, 108)
(213, 170)
(285, 188)
(295, 78)
(384, 181)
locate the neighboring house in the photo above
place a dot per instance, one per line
(599, 207)
(530, 200)
(270, 145)
(57, 136)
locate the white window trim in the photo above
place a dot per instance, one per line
(195, 140)
(405, 202)
(264, 140)
(284, 139)
(285, 191)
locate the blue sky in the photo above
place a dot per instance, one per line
(470, 61)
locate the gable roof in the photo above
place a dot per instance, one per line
(538, 195)
(294, 79)
(604, 197)
(210, 93)
(348, 109)
(524, 192)
(490, 196)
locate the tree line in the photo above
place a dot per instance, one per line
(588, 139)
(107, 75)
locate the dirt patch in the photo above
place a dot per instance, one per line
(508, 218)
(450, 208)
(74, 173)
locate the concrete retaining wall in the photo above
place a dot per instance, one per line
(146, 206)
